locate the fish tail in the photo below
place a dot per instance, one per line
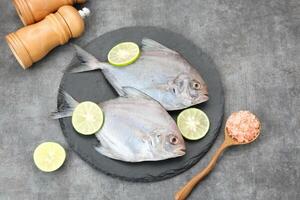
(66, 109)
(87, 60)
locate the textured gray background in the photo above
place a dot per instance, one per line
(256, 46)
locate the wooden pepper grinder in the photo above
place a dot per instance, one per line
(32, 11)
(31, 43)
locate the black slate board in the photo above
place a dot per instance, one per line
(94, 87)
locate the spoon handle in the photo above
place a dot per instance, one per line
(184, 192)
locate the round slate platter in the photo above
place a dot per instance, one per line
(94, 87)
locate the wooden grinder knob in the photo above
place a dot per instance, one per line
(32, 11)
(31, 43)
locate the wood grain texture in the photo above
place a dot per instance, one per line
(32, 43)
(32, 11)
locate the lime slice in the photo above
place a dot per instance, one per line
(87, 118)
(123, 54)
(49, 156)
(193, 123)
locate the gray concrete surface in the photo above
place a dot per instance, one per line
(256, 45)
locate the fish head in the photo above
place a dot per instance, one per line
(171, 143)
(190, 89)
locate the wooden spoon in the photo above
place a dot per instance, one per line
(184, 192)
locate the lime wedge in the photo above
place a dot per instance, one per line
(87, 118)
(193, 123)
(123, 54)
(49, 156)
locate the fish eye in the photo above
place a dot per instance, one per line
(196, 85)
(174, 140)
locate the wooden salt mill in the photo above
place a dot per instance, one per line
(31, 43)
(32, 11)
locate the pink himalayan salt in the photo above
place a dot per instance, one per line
(243, 126)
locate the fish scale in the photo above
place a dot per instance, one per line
(136, 128)
(160, 72)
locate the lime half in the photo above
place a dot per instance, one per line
(87, 118)
(193, 123)
(123, 54)
(49, 156)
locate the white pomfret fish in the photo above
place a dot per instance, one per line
(159, 72)
(136, 128)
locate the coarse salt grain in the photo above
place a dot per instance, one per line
(243, 126)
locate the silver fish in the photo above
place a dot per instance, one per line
(160, 72)
(136, 128)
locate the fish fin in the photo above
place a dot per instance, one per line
(114, 82)
(106, 152)
(67, 107)
(87, 60)
(133, 92)
(151, 45)
(62, 114)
